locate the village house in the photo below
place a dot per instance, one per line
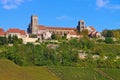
(2, 33)
(13, 31)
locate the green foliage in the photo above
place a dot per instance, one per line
(10, 40)
(111, 33)
(107, 33)
(3, 40)
(65, 54)
(100, 40)
(86, 43)
(109, 40)
(56, 37)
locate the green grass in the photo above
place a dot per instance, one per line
(109, 48)
(11, 71)
(77, 73)
(114, 73)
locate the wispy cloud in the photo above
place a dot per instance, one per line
(11, 4)
(106, 4)
(61, 17)
(64, 18)
(114, 6)
(102, 3)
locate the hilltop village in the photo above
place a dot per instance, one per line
(60, 52)
(40, 32)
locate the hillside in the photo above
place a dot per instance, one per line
(78, 73)
(11, 71)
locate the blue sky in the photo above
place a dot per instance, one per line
(102, 14)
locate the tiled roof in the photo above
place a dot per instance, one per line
(23, 32)
(93, 33)
(15, 30)
(2, 32)
(58, 28)
(41, 27)
(92, 28)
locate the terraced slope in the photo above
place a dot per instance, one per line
(114, 73)
(11, 71)
(77, 73)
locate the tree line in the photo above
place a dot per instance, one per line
(10, 40)
(66, 54)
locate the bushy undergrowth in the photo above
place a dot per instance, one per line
(65, 54)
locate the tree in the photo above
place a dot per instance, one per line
(104, 32)
(3, 40)
(53, 36)
(109, 40)
(10, 40)
(56, 37)
(86, 43)
(109, 33)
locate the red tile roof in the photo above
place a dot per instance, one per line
(58, 28)
(15, 30)
(23, 32)
(92, 28)
(2, 32)
(41, 27)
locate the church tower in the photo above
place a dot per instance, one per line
(81, 25)
(33, 26)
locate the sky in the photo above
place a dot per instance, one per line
(102, 14)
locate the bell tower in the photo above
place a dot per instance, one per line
(81, 25)
(34, 24)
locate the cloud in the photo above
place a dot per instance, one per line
(106, 4)
(64, 17)
(102, 3)
(61, 17)
(114, 6)
(12, 4)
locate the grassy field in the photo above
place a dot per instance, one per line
(10, 71)
(114, 73)
(74, 73)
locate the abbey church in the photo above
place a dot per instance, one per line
(42, 32)
(46, 31)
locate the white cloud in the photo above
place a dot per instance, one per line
(102, 3)
(12, 4)
(114, 6)
(61, 17)
(106, 4)
(9, 6)
(64, 17)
